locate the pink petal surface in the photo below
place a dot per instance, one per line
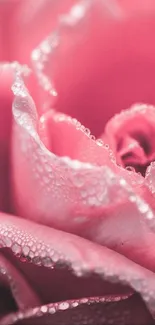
(126, 311)
(52, 249)
(30, 16)
(6, 79)
(150, 177)
(13, 278)
(7, 11)
(96, 61)
(130, 134)
(65, 136)
(96, 202)
(78, 188)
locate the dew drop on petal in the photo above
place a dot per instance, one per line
(63, 306)
(52, 310)
(106, 146)
(130, 169)
(99, 142)
(16, 248)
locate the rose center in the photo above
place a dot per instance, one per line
(135, 151)
(131, 136)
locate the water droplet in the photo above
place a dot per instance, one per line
(26, 250)
(130, 169)
(92, 137)
(143, 207)
(106, 146)
(78, 269)
(30, 243)
(132, 198)
(82, 128)
(87, 132)
(33, 248)
(7, 242)
(44, 309)
(84, 300)
(78, 181)
(18, 89)
(78, 125)
(102, 197)
(46, 261)
(43, 253)
(37, 260)
(2, 271)
(52, 310)
(77, 11)
(55, 257)
(53, 92)
(75, 304)
(48, 168)
(31, 254)
(74, 121)
(150, 215)
(102, 299)
(113, 159)
(16, 248)
(99, 142)
(63, 306)
(93, 201)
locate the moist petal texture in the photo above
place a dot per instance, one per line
(13, 279)
(131, 136)
(97, 60)
(70, 195)
(105, 204)
(25, 21)
(124, 312)
(74, 255)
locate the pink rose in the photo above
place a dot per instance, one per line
(77, 228)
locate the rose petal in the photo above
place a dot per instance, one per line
(13, 278)
(82, 256)
(96, 62)
(25, 21)
(125, 312)
(150, 177)
(91, 201)
(65, 136)
(7, 11)
(6, 79)
(135, 127)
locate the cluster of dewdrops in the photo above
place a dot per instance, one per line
(99, 142)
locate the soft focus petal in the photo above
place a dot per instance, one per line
(6, 79)
(150, 177)
(109, 311)
(96, 202)
(66, 137)
(90, 196)
(99, 60)
(31, 22)
(131, 136)
(59, 254)
(12, 279)
(7, 41)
